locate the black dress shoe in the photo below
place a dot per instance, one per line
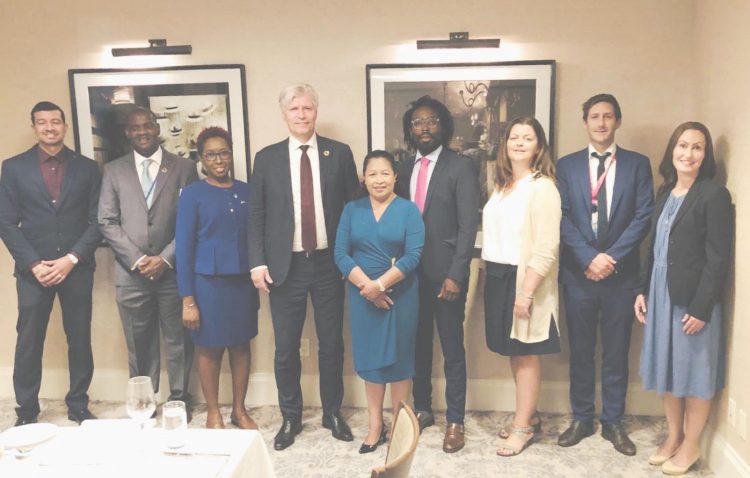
(80, 415)
(339, 429)
(577, 431)
(285, 438)
(24, 421)
(382, 439)
(615, 432)
(425, 419)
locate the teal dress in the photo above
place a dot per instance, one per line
(383, 341)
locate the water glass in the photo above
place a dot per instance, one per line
(174, 422)
(141, 402)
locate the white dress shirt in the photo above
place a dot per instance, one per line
(295, 156)
(609, 181)
(153, 171)
(502, 223)
(433, 157)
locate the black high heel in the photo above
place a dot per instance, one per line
(365, 448)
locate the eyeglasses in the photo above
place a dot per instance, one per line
(430, 122)
(213, 156)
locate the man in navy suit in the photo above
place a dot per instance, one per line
(444, 186)
(48, 200)
(297, 191)
(607, 199)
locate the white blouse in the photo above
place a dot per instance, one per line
(502, 222)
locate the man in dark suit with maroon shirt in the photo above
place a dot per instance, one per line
(48, 203)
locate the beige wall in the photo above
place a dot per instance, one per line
(636, 50)
(723, 74)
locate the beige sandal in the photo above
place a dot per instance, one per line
(524, 433)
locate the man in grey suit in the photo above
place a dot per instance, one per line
(137, 216)
(297, 192)
(444, 187)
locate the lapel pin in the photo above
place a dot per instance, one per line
(235, 196)
(163, 170)
(326, 153)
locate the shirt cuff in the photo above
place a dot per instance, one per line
(135, 265)
(167, 262)
(257, 268)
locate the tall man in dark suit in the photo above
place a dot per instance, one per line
(137, 217)
(607, 199)
(48, 198)
(297, 192)
(444, 187)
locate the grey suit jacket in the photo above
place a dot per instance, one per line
(271, 208)
(451, 215)
(128, 225)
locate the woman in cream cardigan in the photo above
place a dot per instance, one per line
(521, 239)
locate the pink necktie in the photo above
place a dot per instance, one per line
(421, 192)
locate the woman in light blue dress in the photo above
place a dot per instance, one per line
(378, 244)
(682, 353)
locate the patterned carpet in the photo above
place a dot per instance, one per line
(316, 454)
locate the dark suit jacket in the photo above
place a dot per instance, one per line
(271, 208)
(31, 227)
(130, 227)
(699, 247)
(451, 215)
(629, 219)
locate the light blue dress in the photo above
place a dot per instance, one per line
(672, 361)
(383, 341)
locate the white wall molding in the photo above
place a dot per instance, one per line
(724, 460)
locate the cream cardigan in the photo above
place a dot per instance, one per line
(540, 250)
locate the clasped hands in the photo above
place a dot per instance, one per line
(370, 290)
(152, 267)
(601, 267)
(51, 273)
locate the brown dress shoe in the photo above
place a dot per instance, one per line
(244, 421)
(454, 438)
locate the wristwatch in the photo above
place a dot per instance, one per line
(72, 258)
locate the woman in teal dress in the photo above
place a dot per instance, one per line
(378, 244)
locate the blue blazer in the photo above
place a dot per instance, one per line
(34, 229)
(211, 233)
(629, 219)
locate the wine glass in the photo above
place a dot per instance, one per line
(141, 402)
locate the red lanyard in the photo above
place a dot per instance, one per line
(600, 182)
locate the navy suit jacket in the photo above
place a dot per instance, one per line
(629, 218)
(271, 208)
(451, 215)
(34, 229)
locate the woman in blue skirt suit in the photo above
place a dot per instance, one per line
(219, 302)
(682, 353)
(378, 244)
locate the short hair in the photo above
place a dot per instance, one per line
(542, 164)
(379, 153)
(140, 110)
(212, 132)
(602, 98)
(446, 120)
(296, 90)
(46, 106)
(666, 167)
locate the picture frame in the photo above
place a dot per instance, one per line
(482, 98)
(185, 100)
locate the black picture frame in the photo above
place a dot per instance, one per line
(185, 99)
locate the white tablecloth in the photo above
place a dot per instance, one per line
(117, 448)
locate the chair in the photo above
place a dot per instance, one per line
(402, 445)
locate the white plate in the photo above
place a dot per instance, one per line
(27, 436)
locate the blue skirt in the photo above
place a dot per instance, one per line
(228, 310)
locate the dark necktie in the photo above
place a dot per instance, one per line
(307, 202)
(602, 224)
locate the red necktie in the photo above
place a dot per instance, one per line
(307, 202)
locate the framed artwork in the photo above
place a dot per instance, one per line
(482, 98)
(185, 100)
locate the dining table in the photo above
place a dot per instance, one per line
(120, 448)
